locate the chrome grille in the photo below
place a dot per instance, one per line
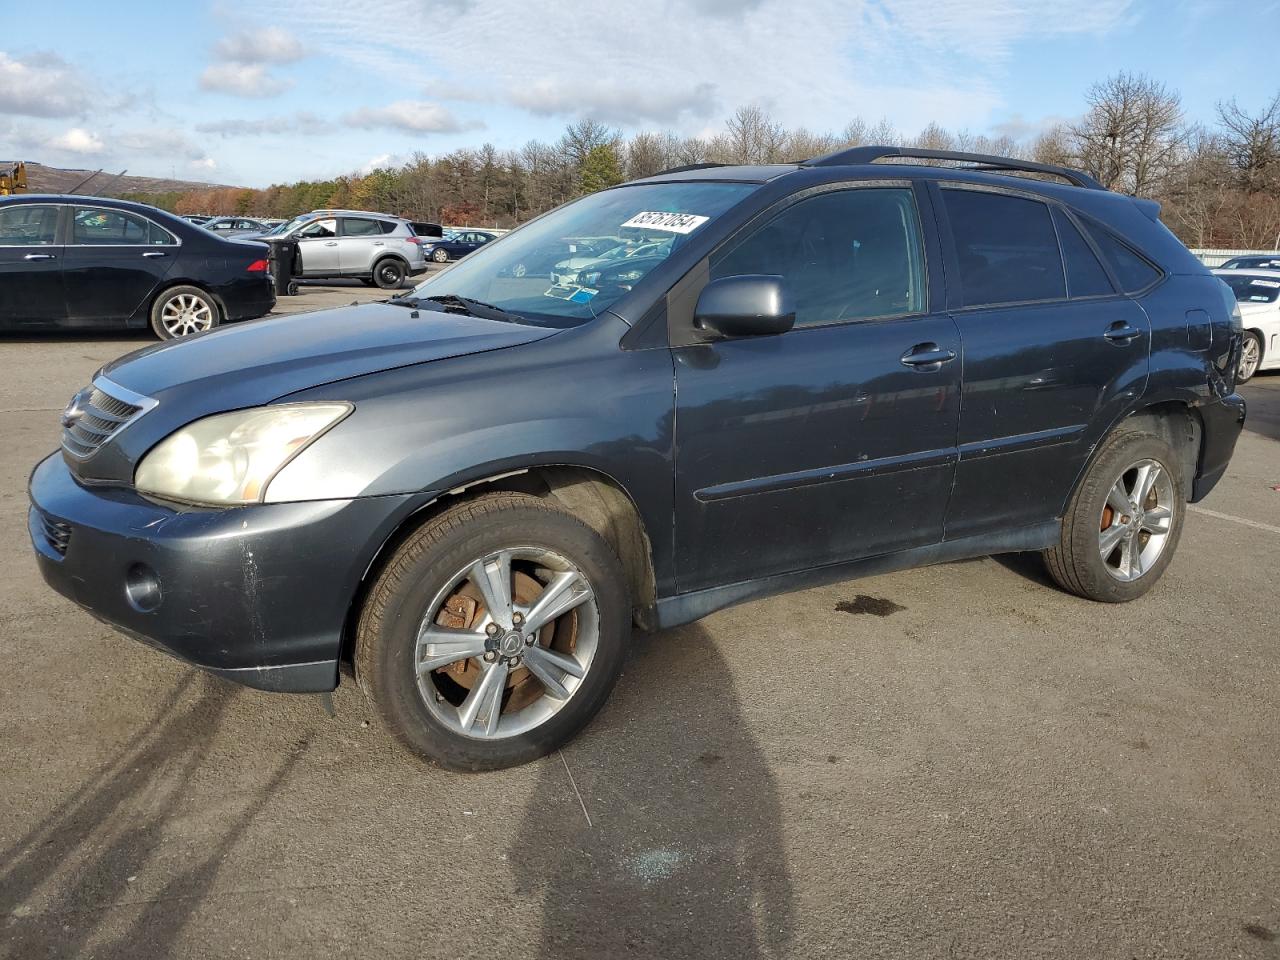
(57, 532)
(95, 415)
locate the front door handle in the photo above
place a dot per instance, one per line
(155, 253)
(927, 357)
(331, 243)
(1121, 332)
(39, 256)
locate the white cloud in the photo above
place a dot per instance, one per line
(242, 80)
(617, 103)
(269, 45)
(76, 140)
(41, 85)
(303, 122)
(410, 116)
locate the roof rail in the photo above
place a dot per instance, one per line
(687, 167)
(985, 162)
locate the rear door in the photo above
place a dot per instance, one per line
(1052, 354)
(359, 242)
(30, 265)
(318, 248)
(835, 440)
(114, 261)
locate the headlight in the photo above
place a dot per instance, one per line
(231, 458)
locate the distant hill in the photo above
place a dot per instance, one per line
(42, 179)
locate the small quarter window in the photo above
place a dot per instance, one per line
(1131, 269)
(844, 255)
(1085, 276)
(1006, 247)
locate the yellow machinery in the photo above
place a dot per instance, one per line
(13, 177)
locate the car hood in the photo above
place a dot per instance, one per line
(263, 360)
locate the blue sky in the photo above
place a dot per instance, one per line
(251, 93)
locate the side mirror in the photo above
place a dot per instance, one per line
(747, 306)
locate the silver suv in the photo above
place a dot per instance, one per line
(372, 247)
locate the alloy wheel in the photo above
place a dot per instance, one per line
(185, 314)
(506, 642)
(1136, 521)
(1250, 358)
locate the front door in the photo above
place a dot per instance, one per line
(835, 440)
(318, 248)
(1052, 356)
(114, 261)
(30, 265)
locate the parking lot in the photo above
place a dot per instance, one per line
(956, 761)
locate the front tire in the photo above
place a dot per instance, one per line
(183, 311)
(494, 633)
(389, 274)
(1250, 357)
(1123, 523)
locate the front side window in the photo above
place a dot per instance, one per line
(1006, 247)
(845, 255)
(94, 226)
(319, 229)
(28, 225)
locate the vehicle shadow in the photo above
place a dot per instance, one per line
(683, 853)
(71, 873)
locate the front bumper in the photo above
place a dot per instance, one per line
(257, 594)
(1222, 420)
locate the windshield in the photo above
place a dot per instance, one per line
(575, 262)
(289, 225)
(1253, 289)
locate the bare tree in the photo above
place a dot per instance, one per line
(1133, 136)
(1251, 143)
(753, 137)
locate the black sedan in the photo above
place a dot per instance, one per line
(81, 262)
(455, 245)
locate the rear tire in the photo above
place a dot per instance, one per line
(1122, 525)
(1250, 357)
(182, 311)
(440, 256)
(429, 588)
(389, 274)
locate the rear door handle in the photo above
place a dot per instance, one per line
(1121, 332)
(39, 256)
(155, 253)
(331, 243)
(927, 356)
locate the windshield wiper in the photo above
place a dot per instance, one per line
(451, 302)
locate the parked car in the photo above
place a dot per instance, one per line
(587, 269)
(196, 218)
(371, 247)
(235, 226)
(1269, 262)
(468, 494)
(68, 261)
(1258, 293)
(453, 246)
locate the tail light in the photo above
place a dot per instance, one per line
(413, 239)
(258, 266)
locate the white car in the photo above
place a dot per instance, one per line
(1258, 293)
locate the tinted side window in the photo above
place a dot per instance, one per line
(93, 226)
(361, 227)
(28, 225)
(1132, 270)
(158, 236)
(1007, 248)
(389, 226)
(1085, 276)
(846, 255)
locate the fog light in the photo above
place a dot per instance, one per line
(142, 587)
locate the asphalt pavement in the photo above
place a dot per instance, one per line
(957, 761)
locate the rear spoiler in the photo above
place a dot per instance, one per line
(1151, 208)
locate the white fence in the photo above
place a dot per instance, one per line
(1216, 258)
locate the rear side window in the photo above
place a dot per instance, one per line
(158, 236)
(845, 255)
(28, 225)
(1085, 275)
(1006, 247)
(361, 227)
(1131, 269)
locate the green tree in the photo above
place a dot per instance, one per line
(601, 168)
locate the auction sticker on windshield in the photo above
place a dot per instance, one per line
(671, 222)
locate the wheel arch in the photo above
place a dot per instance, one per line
(169, 283)
(373, 267)
(590, 494)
